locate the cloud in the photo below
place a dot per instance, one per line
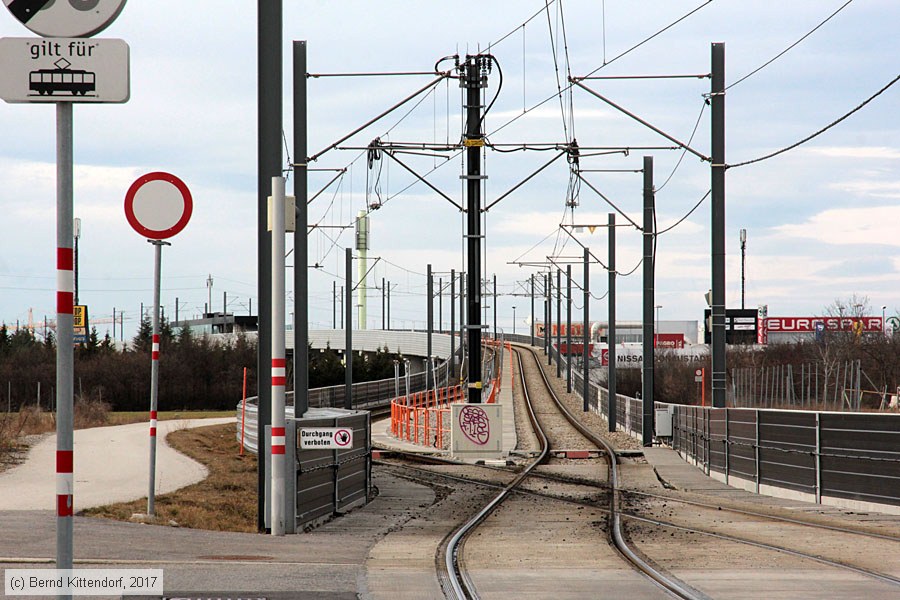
(847, 226)
(867, 187)
(858, 152)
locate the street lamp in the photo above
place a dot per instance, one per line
(656, 335)
(76, 231)
(743, 262)
(883, 324)
(514, 320)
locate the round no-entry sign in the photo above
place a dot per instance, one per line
(158, 205)
(65, 18)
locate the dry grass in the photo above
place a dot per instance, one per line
(224, 501)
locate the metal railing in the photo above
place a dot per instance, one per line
(365, 396)
(840, 458)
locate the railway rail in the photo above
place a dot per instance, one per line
(630, 512)
(457, 581)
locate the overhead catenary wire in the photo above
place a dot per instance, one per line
(684, 151)
(690, 212)
(556, 70)
(789, 48)
(817, 133)
(605, 63)
(559, 90)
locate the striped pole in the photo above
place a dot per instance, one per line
(154, 371)
(65, 359)
(278, 358)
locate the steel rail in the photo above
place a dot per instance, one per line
(761, 515)
(884, 578)
(460, 585)
(570, 480)
(670, 584)
(739, 540)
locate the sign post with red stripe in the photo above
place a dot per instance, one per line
(157, 205)
(65, 352)
(278, 359)
(62, 20)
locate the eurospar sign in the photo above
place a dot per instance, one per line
(809, 324)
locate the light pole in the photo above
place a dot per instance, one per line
(514, 320)
(656, 334)
(77, 235)
(883, 324)
(743, 262)
(209, 285)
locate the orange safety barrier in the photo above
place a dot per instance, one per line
(419, 418)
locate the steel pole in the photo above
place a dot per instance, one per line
(276, 505)
(154, 370)
(558, 321)
(471, 73)
(429, 311)
(548, 315)
(586, 334)
(611, 330)
(301, 235)
(348, 329)
(452, 322)
(496, 335)
(65, 360)
(532, 310)
(462, 323)
(269, 161)
(649, 299)
(569, 329)
(717, 99)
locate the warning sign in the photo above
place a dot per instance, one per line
(325, 438)
(80, 324)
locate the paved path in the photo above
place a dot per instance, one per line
(111, 465)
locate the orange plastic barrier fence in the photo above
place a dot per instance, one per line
(422, 417)
(419, 417)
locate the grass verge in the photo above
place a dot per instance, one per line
(224, 501)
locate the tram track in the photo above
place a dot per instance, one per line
(459, 582)
(421, 474)
(626, 510)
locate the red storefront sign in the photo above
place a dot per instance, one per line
(577, 329)
(808, 324)
(669, 340)
(575, 349)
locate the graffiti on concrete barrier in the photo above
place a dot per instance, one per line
(475, 424)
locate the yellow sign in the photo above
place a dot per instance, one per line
(80, 316)
(476, 142)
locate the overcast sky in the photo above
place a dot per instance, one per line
(821, 219)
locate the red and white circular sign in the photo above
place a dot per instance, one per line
(65, 18)
(343, 437)
(158, 205)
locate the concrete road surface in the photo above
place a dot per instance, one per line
(111, 465)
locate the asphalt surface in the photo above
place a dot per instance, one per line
(326, 563)
(111, 465)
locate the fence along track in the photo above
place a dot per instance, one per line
(460, 586)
